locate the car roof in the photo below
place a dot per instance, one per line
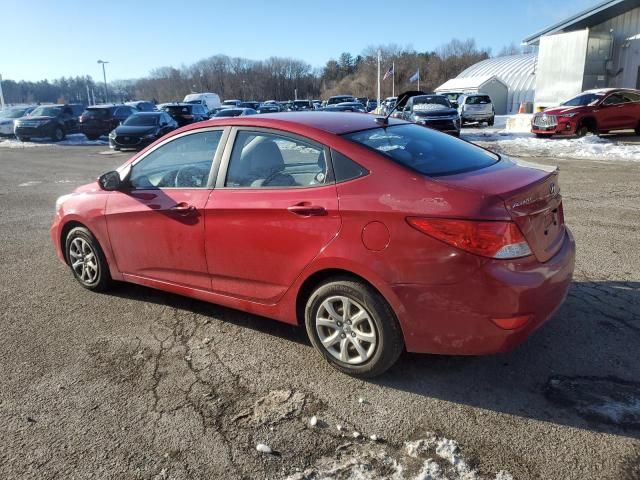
(147, 114)
(336, 123)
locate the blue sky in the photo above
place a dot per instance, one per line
(49, 39)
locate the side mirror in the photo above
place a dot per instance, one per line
(110, 181)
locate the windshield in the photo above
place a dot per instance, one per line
(142, 120)
(301, 103)
(343, 99)
(178, 109)
(583, 100)
(95, 113)
(431, 100)
(46, 112)
(229, 102)
(230, 112)
(13, 113)
(424, 150)
(478, 100)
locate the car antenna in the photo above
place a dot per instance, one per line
(402, 101)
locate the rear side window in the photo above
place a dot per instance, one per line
(346, 169)
(424, 150)
(478, 100)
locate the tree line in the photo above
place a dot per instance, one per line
(278, 78)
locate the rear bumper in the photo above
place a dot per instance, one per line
(456, 319)
(475, 117)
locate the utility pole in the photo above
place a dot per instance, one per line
(88, 95)
(378, 79)
(104, 76)
(393, 79)
(1, 95)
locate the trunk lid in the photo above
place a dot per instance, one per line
(531, 196)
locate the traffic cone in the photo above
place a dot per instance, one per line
(522, 108)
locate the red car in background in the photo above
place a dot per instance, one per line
(593, 111)
(377, 235)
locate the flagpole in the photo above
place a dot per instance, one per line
(418, 79)
(378, 79)
(393, 79)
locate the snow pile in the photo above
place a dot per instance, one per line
(590, 147)
(428, 458)
(73, 140)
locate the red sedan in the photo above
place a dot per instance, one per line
(377, 236)
(593, 111)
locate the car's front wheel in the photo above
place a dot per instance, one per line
(353, 327)
(86, 259)
(491, 121)
(58, 134)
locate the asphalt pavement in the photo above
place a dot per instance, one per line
(137, 383)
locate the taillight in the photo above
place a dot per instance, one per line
(485, 238)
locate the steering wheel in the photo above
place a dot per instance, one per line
(190, 176)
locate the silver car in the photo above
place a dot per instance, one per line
(8, 117)
(476, 108)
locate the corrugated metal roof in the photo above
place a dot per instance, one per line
(465, 83)
(517, 72)
(590, 17)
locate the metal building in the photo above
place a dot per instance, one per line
(596, 48)
(515, 72)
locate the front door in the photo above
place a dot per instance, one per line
(156, 227)
(274, 209)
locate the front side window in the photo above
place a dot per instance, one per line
(267, 160)
(614, 99)
(181, 163)
(424, 150)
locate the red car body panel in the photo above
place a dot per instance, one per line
(244, 249)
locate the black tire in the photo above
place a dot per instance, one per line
(582, 130)
(638, 129)
(390, 342)
(541, 135)
(102, 280)
(23, 139)
(58, 134)
(491, 121)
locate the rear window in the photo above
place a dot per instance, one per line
(178, 109)
(478, 100)
(424, 150)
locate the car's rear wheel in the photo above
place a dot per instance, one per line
(491, 121)
(353, 327)
(58, 134)
(86, 260)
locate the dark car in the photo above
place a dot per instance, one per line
(340, 99)
(302, 105)
(186, 113)
(141, 129)
(99, 120)
(250, 104)
(371, 105)
(345, 107)
(53, 121)
(433, 111)
(593, 111)
(269, 108)
(142, 105)
(235, 112)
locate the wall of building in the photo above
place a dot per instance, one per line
(561, 66)
(623, 70)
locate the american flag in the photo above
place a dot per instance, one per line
(388, 74)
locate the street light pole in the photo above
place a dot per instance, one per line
(104, 76)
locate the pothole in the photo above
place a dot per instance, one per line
(607, 400)
(273, 407)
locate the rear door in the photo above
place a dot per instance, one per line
(272, 212)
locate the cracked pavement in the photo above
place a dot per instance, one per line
(141, 384)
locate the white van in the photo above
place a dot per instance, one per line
(209, 100)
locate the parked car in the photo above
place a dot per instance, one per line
(9, 116)
(141, 129)
(231, 103)
(53, 121)
(302, 105)
(340, 99)
(433, 111)
(379, 238)
(371, 105)
(387, 105)
(99, 120)
(356, 106)
(453, 97)
(593, 111)
(268, 107)
(209, 100)
(250, 104)
(477, 108)
(186, 113)
(235, 112)
(344, 107)
(142, 105)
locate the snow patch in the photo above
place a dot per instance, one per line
(76, 139)
(30, 183)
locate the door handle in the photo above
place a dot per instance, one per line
(305, 209)
(183, 208)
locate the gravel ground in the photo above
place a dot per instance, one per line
(142, 384)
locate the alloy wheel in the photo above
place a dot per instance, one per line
(83, 260)
(346, 330)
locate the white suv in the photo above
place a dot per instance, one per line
(476, 107)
